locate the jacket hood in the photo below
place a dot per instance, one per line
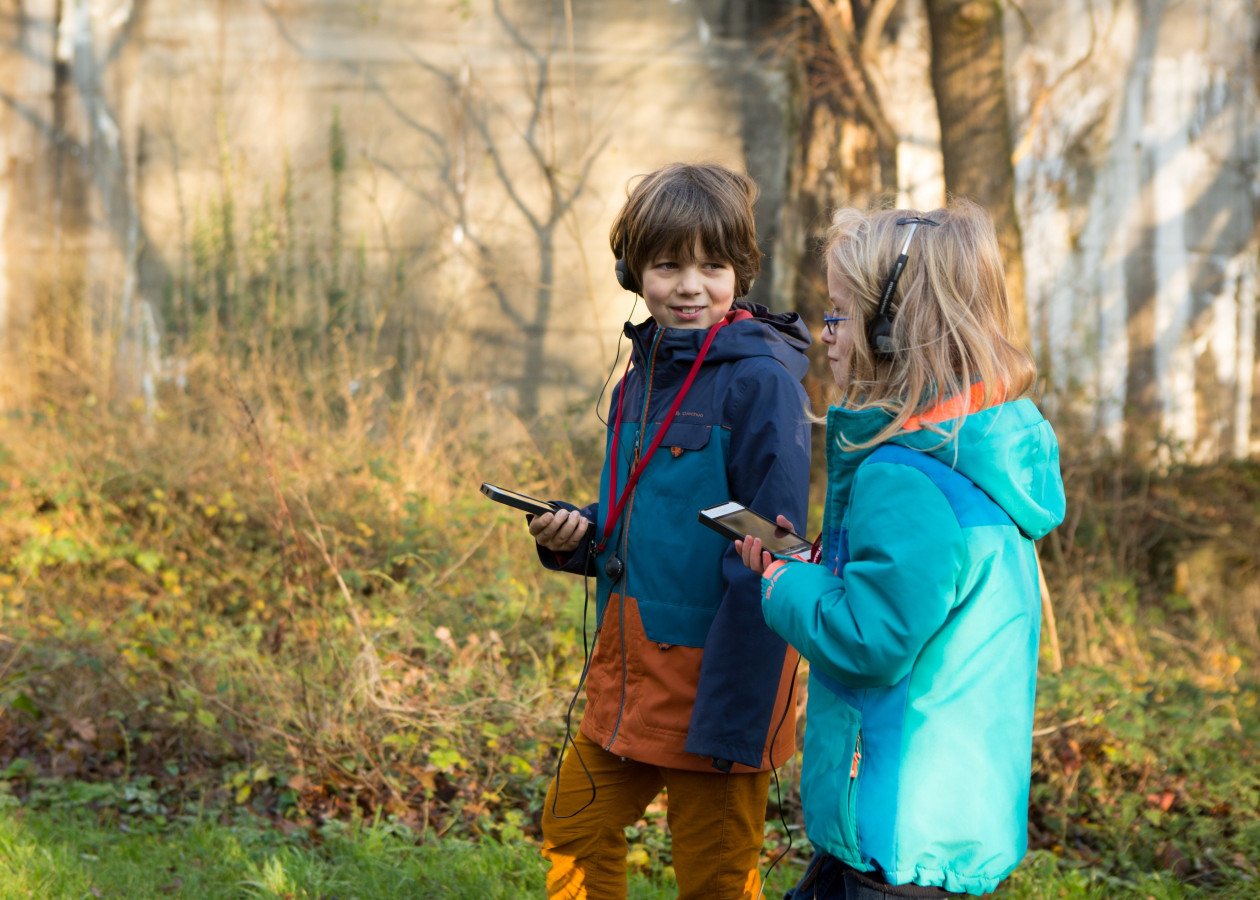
(780, 336)
(1009, 451)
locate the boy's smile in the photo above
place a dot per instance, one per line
(688, 293)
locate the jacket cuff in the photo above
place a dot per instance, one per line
(772, 574)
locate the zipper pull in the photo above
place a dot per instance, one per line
(857, 757)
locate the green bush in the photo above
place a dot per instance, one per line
(304, 610)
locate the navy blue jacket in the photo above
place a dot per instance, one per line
(685, 670)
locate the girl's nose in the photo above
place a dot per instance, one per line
(689, 280)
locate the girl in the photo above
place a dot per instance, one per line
(921, 624)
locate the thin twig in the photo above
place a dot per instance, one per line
(454, 567)
(1069, 723)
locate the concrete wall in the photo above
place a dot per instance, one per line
(487, 147)
(1137, 132)
(161, 155)
(1137, 160)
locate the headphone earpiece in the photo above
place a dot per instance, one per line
(625, 277)
(879, 333)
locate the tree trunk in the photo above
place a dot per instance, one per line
(969, 80)
(837, 164)
(846, 154)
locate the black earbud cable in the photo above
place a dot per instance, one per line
(774, 770)
(616, 359)
(587, 655)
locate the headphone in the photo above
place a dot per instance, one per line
(879, 329)
(625, 277)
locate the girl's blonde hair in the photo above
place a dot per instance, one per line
(952, 330)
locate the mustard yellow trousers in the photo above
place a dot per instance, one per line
(717, 823)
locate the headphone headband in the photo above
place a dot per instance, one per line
(879, 332)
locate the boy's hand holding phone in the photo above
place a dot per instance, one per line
(556, 529)
(560, 531)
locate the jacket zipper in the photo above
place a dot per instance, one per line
(857, 757)
(625, 535)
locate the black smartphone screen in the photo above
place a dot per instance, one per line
(735, 521)
(516, 500)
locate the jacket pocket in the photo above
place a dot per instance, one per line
(686, 436)
(830, 769)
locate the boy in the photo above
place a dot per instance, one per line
(687, 688)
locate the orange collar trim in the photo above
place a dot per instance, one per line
(958, 405)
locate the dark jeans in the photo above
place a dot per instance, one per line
(826, 878)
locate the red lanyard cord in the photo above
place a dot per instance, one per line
(610, 521)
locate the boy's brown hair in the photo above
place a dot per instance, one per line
(676, 206)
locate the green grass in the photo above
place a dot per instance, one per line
(60, 852)
(1043, 875)
(67, 854)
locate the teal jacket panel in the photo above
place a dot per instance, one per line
(921, 627)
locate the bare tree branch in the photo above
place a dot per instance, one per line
(837, 22)
(876, 21)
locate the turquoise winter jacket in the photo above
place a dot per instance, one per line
(921, 628)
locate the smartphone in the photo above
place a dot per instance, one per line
(735, 521)
(517, 500)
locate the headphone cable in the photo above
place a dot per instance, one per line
(568, 741)
(774, 771)
(587, 655)
(616, 358)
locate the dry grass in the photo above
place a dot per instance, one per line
(285, 593)
(270, 576)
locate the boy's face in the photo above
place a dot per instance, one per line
(692, 293)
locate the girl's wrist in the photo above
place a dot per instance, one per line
(775, 566)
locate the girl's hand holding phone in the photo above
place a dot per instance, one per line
(752, 552)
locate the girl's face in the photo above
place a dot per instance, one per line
(838, 335)
(693, 293)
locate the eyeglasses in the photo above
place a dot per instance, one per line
(832, 319)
